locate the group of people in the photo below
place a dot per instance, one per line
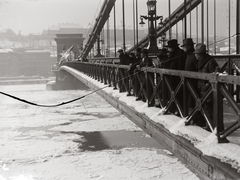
(136, 62)
(189, 57)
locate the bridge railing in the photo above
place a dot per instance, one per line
(158, 88)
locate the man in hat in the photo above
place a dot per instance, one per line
(206, 64)
(191, 61)
(190, 65)
(177, 56)
(123, 57)
(176, 61)
(133, 71)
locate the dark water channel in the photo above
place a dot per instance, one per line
(100, 140)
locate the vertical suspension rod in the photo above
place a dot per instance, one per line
(115, 34)
(123, 16)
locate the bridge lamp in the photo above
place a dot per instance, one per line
(152, 18)
(163, 39)
(142, 22)
(161, 21)
(151, 7)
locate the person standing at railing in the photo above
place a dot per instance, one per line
(145, 62)
(123, 60)
(177, 59)
(162, 62)
(132, 63)
(162, 57)
(133, 68)
(206, 64)
(190, 65)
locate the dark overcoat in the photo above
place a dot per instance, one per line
(192, 65)
(177, 59)
(191, 62)
(145, 62)
(134, 62)
(124, 60)
(206, 64)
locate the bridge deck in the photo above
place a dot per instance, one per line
(196, 147)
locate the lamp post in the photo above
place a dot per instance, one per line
(98, 47)
(151, 4)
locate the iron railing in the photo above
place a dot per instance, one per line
(157, 89)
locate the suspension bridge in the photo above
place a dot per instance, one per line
(196, 19)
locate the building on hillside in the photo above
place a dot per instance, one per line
(22, 62)
(9, 63)
(47, 39)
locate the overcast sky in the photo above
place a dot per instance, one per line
(33, 16)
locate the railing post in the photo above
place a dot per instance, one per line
(185, 97)
(95, 72)
(109, 76)
(164, 91)
(230, 72)
(121, 80)
(128, 82)
(217, 107)
(105, 71)
(114, 78)
(101, 73)
(149, 89)
(238, 91)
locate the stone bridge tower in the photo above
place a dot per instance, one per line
(65, 41)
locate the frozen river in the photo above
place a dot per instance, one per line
(84, 140)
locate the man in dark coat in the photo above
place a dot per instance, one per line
(177, 59)
(162, 57)
(132, 64)
(123, 57)
(206, 64)
(136, 84)
(145, 62)
(191, 61)
(190, 65)
(123, 60)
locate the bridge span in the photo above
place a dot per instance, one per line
(194, 146)
(212, 153)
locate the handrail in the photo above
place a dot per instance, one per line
(158, 86)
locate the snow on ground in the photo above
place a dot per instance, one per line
(42, 143)
(203, 140)
(128, 163)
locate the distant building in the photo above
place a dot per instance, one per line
(22, 62)
(67, 28)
